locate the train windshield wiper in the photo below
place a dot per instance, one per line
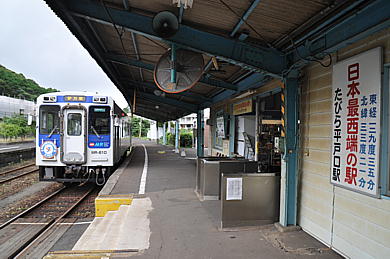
(94, 131)
(52, 131)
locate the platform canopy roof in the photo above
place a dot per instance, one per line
(252, 41)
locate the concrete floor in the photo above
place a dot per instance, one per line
(7, 147)
(183, 227)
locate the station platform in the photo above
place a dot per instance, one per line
(149, 209)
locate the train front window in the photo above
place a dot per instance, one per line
(49, 120)
(99, 120)
(74, 124)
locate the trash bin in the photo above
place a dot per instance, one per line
(249, 199)
(242, 166)
(207, 177)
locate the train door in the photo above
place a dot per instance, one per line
(74, 136)
(116, 137)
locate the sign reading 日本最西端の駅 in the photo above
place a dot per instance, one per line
(356, 95)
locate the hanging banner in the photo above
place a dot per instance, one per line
(356, 95)
(220, 127)
(242, 107)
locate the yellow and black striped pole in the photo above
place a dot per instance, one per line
(283, 109)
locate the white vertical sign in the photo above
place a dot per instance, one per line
(220, 127)
(356, 95)
(233, 189)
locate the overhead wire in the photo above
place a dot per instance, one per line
(155, 42)
(147, 54)
(120, 34)
(248, 24)
(312, 57)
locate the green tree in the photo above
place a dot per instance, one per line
(145, 128)
(170, 139)
(127, 110)
(13, 127)
(135, 126)
(185, 138)
(140, 124)
(16, 85)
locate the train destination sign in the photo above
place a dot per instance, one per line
(356, 95)
(74, 98)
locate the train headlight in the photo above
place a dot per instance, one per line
(100, 99)
(50, 99)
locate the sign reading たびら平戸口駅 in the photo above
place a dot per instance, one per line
(356, 95)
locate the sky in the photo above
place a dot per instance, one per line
(36, 43)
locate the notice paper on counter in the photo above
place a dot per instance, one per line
(233, 189)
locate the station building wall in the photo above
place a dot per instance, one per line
(354, 224)
(225, 108)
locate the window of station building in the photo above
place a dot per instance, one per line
(49, 120)
(74, 124)
(99, 120)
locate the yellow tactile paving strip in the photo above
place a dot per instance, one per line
(91, 254)
(106, 203)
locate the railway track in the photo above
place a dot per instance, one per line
(16, 173)
(16, 169)
(21, 235)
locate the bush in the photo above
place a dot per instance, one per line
(185, 139)
(145, 126)
(170, 139)
(14, 127)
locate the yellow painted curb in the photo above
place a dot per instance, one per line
(106, 203)
(89, 254)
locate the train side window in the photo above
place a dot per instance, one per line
(99, 120)
(126, 129)
(74, 124)
(49, 120)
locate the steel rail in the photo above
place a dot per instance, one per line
(31, 208)
(16, 169)
(18, 176)
(50, 225)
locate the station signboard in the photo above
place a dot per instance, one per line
(356, 95)
(242, 107)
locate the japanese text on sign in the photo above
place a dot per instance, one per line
(220, 127)
(356, 95)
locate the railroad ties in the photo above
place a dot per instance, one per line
(16, 173)
(32, 233)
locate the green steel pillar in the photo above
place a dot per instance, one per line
(200, 133)
(232, 130)
(289, 172)
(177, 136)
(173, 68)
(164, 133)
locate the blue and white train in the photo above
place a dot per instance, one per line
(80, 137)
